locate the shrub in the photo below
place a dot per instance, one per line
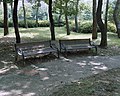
(44, 23)
(60, 24)
(86, 27)
(111, 27)
(1, 23)
(31, 23)
(72, 26)
(10, 23)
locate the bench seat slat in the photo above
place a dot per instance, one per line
(76, 44)
(37, 52)
(33, 49)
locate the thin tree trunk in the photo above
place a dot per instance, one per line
(59, 18)
(106, 13)
(37, 16)
(24, 12)
(116, 17)
(94, 28)
(5, 19)
(51, 21)
(66, 20)
(11, 5)
(101, 25)
(15, 21)
(76, 19)
(67, 25)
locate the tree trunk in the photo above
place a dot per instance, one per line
(37, 16)
(11, 5)
(101, 25)
(67, 25)
(76, 20)
(116, 15)
(66, 20)
(106, 13)
(15, 21)
(94, 28)
(24, 12)
(5, 19)
(59, 18)
(51, 21)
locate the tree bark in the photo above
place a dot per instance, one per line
(106, 13)
(5, 18)
(51, 21)
(15, 21)
(76, 19)
(116, 15)
(101, 25)
(24, 12)
(66, 20)
(59, 18)
(94, 28)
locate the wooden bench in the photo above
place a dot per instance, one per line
(76, 45)
(32, 49)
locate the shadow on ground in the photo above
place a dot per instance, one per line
(42, 76)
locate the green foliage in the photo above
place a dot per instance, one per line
(43, 23)
(111, 27)
(86, 27)
(1, 23)
(31, 23)
(10, 23)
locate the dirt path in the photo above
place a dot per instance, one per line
(40, 79)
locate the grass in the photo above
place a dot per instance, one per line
(42, 33)
(103, 84)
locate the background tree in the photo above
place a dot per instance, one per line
(15, 21)
(94, 28)
(57, 9)
(106, 13)
(101, 25)
(66, 16)
(76, 15)
(116, 16)
(51, 21)
(24, 12)
(5, 18)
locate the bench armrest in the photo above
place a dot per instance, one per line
(63, 46)
(20, 51)
(54, 47)
(92, 43)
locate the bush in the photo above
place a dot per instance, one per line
(111, 27)
(10, 23)
(72, 26)
(86, 27)
(1, 23)
(43, 23)
(60, 24)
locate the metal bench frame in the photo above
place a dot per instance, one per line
(76, 45)
(32, 49)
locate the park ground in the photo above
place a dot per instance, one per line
(80, 74)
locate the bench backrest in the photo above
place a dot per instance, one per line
(75, 41)
(41, 44)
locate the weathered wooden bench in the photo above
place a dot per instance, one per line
(76, 45)
(32, 49)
